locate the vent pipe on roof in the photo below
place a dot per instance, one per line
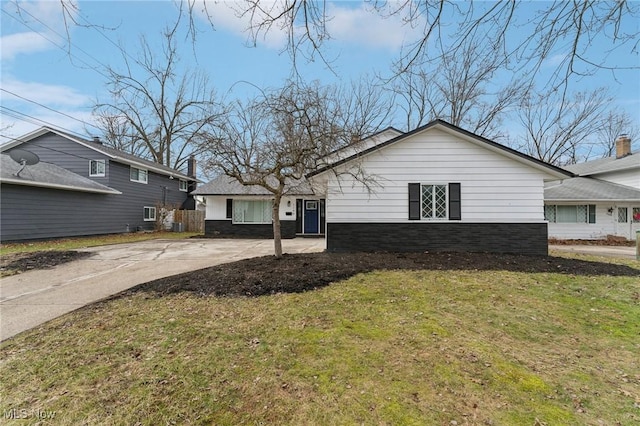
(97, 140)
(623, 146)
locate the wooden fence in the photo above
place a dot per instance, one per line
(192, 220)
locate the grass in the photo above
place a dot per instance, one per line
(82, 242)
(392, 347)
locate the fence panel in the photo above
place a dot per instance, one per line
(193, 220)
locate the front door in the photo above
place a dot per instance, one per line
(311, 217)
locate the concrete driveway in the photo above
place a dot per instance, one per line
(32, 298)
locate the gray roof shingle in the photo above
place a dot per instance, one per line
(604, 165)
(225, 185)
(588, 189)
(48, 175)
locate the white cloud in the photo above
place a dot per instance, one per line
(345, 24)
(22, 43)
(46, 22)
(46, 94)
(369, 28)
(228, 16)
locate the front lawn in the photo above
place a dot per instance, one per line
(428, 346)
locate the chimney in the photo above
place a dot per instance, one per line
(191, 167)
(623, 146)
(97, 140)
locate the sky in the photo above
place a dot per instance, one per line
(53, 74)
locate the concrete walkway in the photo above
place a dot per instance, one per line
(607, 251)
(32, 298)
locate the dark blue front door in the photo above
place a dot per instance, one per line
(311, 217)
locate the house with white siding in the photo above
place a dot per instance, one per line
(602, 200)
(436, 188)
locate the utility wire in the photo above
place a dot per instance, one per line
(30, 119)
(50, 109)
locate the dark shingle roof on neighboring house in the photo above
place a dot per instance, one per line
(225, 185)
(605, 165)
(588, 189)
(115, 154)
(47, 175)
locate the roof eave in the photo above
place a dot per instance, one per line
(59, 186)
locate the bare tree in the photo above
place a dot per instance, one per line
(156, 111)
(558, 127)
(614, 125)
(274, 140)
(545, 29)
(467, 90)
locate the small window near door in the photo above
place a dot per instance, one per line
(636, 215)
(311, 205)
(622, 215)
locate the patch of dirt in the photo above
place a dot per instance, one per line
(11, 264)
(296, 273)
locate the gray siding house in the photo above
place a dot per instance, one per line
(81, 187)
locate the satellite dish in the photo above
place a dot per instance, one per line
(24, 158)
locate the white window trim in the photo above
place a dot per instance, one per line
(104, 168)
(139, 170)
(446, 202)
(186, 185)
(151, 209)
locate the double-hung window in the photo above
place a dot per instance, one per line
(138, 175)
(97, 168)
(182, 185)
(430, 201)
(252, 211)
(149, 214)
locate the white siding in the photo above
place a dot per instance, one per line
(494, 187)
(217, 206)
(606, 224)
(626, 177)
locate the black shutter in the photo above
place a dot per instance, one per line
(229, 208)
(592, 213)
(455, 212)
(414, 201)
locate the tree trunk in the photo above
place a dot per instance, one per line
(277, 237)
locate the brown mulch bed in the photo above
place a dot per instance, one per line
(16, 263)
(295, 273)
(302, 272)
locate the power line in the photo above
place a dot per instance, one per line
(57, 45)
(50, 109)
(32, 120)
